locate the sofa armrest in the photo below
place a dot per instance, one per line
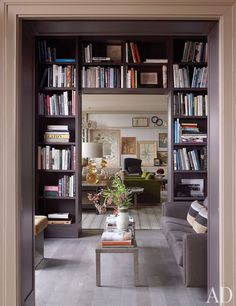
(176, 209)
(195, 260)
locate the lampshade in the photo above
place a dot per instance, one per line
(92, 150)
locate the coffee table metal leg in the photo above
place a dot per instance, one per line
(136, 269)
(135, 201)
(98, 269)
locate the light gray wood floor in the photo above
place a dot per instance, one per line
(144, 217)
(66, 277)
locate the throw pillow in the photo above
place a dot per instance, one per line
(150, 176)
(200, 223)
(194, 209)
(205, 203)
(144, 174)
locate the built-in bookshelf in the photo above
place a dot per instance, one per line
(57, 134)
(189, 119)
(69, 66)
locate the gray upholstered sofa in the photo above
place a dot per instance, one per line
(188, 247)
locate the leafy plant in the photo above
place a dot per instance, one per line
(117, 195)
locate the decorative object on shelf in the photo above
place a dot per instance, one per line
(157, 121)
(140, 122)
(91, 151)
(147, 151)
(149, 78)
(160, 173)
(128, 145)
(111, 144)
(88, 124)
(117, 196)
(104, 173)
(162, 141)
(114, 52)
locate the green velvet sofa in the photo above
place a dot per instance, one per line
(151, 187)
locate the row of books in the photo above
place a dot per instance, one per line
(57, 104)
(182, 77)
(195, 159)
(195, 52)
(190, 188)
(102, 77)
(188, 133)
(59, 76)
(46, 53)
(132, 53)
(132, 78)
(59, 218)
(65, 187)
(57, 133)
(50, 158)
(190, 104)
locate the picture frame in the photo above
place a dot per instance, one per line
(111, 144)
(128, 145)
(140, 122)
(162, 140)
(163, 157)
(157, 162)
(149, 78)
(147, 151)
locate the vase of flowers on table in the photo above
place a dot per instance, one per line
(118, 197)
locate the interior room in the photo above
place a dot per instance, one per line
(73, 78)
(111, 120)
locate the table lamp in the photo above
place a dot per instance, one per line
(91, 150)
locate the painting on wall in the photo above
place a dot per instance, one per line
(147, 151)
(162, 156)
(162, 141)
(128, 145)
(111, 144)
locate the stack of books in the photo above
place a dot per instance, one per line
(65, 187)
(57, 133)
(112, 237)
(116, 238)
(46, 53)
(188, 133)
(191, 188)
(59, 218)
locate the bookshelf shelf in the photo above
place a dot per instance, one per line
(56, 88)
(158, 91)
(57, 198)
(57, 117)
(56, 143)
(146, 64)
(105, 64)
(56, 171)
(189, 120)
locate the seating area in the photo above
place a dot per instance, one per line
(188, 246)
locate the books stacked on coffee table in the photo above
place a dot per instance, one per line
(112, 237)
(117, 238)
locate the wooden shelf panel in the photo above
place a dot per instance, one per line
(146, 64)
(57, 198)
(107, 64)
(125, 90)
(56, 143)
(189, 89)
(198, 144)
(197, 64)
(58, 63)
(58, 116)
(56, 88)
(189, 117)
(56, 171)
(190, 171)
(189, 198)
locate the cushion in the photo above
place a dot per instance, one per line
(134, 169)
(177, 249)
(194, 209)
(166, 219)
(149, 176)
(200, 223)
(205, 203)
(40, 223)
(169, 227)
(144, 174)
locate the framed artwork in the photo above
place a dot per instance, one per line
(157, 162)
(111, 144)
(162, 140)
(140, 122)
(162, 156)
(147, 151)
(148, 78)
(128, 145)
